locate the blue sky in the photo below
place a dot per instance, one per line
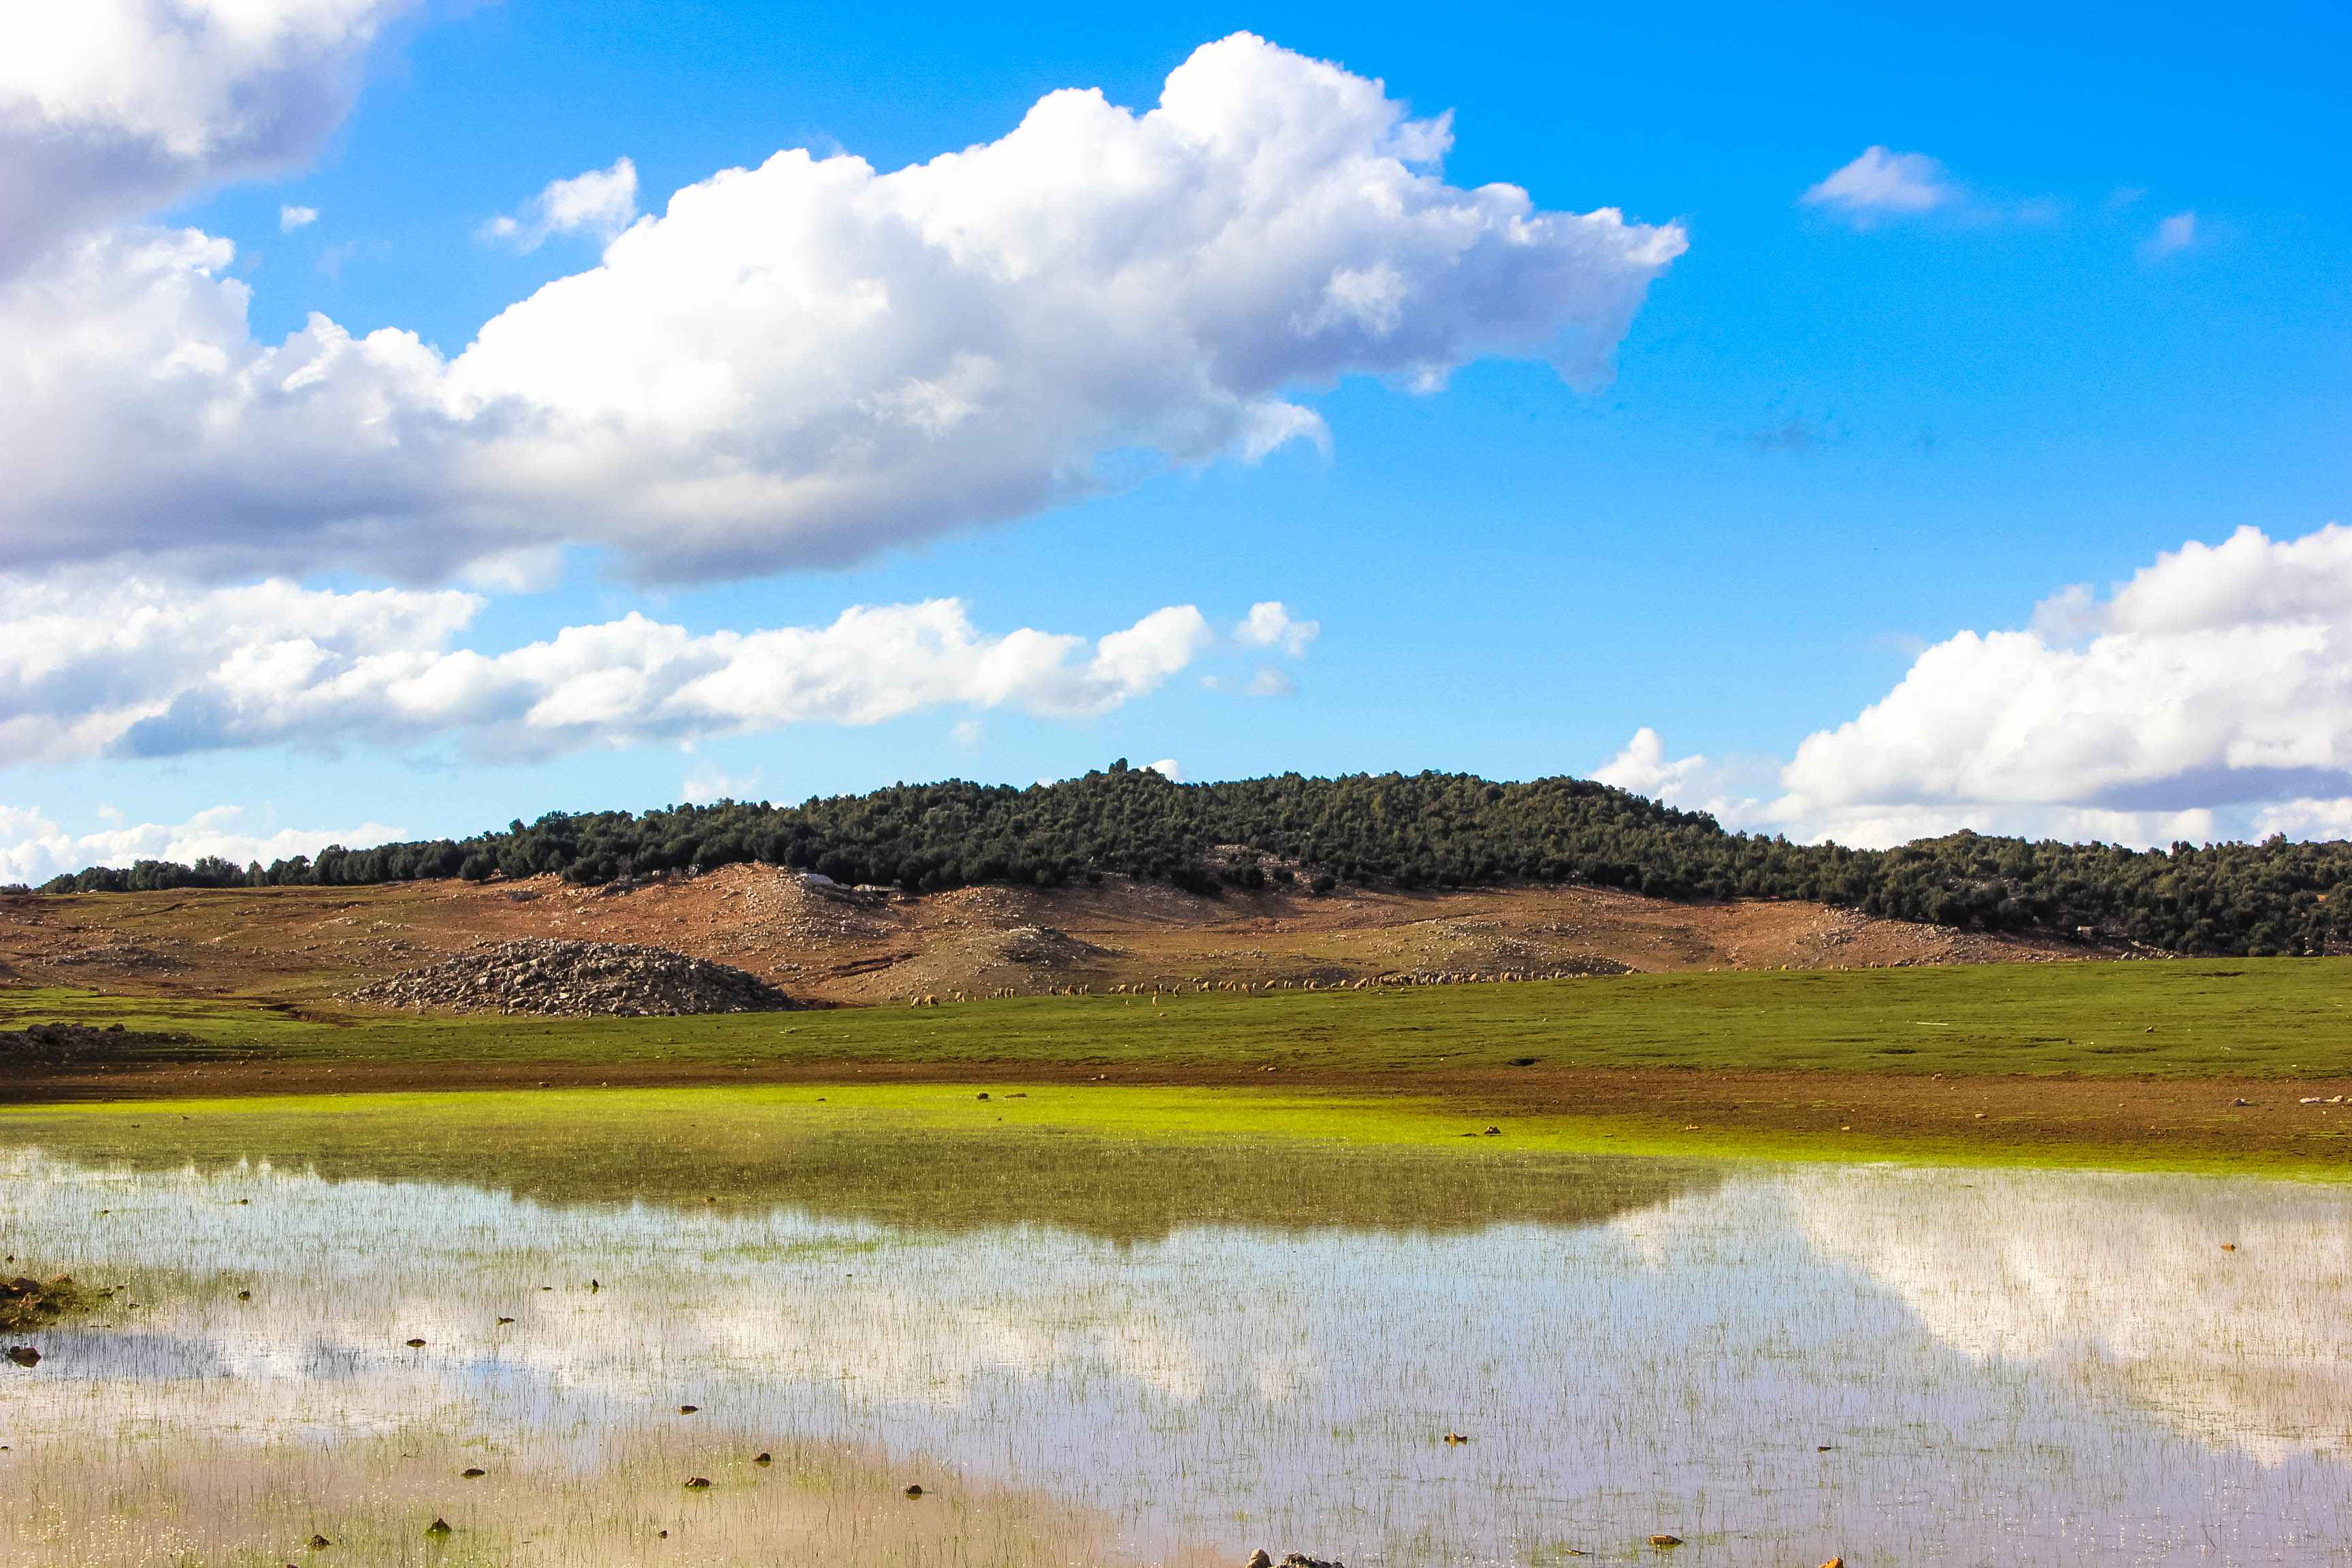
(1836, 437)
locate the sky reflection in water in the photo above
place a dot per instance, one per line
(1777, 1363)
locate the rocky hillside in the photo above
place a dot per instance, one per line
(821, 942)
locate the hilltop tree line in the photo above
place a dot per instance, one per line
(1425, 830)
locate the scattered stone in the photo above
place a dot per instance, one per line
(24, 1355)
(1662, 1539)
(1454, 1439)
(1835, 1563)
(417, 1344)
(914, 1491)
(698, 1483)
(983, 1095)
(61, 1043)
(27, 1303)
(1494, 1133)
(473, 1473)
(320, 1543)
(1258, 1559)
(763, 1459)
(504, 1322)
(575, 979)
(688, 1409)
(1300, 1560)
(438, 1527)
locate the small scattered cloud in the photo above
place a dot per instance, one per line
(705, 785)
(2174, 234)
(1797, 433)
(1271, 625)
(967, 733)
(601, 202)
(1883, 184)
(291, 218)
(1267, 680)
(1166, 768)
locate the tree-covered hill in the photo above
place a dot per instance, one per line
(1426, 830)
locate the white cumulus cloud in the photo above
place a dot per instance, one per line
(111, 107)
(2209, 696)
(34, 848)
(1270, 624)
(601, 202)
(810, 361)
(140, 668)
(291, 218)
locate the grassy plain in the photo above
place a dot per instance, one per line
(2257, 1018)
(2140, 1064)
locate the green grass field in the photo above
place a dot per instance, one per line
(2259, 1019)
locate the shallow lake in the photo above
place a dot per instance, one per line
(1089, 1352)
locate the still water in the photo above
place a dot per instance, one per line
(1165, 1357)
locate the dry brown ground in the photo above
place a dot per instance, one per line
(300, 944)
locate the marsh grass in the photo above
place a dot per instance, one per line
(1110, 1161)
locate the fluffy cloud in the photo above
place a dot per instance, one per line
(810, 361)
(111, 107)
(1270, 624)
(291, 218)
(33, 848)
(135, 669)
(2210, 695)
(602, 202)
(1881, 183)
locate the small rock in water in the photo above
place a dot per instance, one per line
(473, 1472)
(983, 1095)
(417, 1344)
(763, 1459)
(1258, 1559)
(244, 1295)
(2228, 1246)
(698, 1483)
(914, 1491)
(1835, 1563)
(1300, 1560)
(24, 1355)
(320, 1543)
(1494, 1133)
(438, 1527)
(1662, 1539)
(503, 1322)
(1454, 1439)
(688, 1409)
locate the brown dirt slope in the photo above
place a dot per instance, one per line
(830, 944)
